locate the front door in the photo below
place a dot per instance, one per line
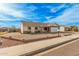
(46, 29)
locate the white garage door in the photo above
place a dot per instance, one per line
(54, 29)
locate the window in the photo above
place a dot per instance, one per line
(45, 28)
(29, 28)
(36, 28)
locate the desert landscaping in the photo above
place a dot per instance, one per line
(31, 37)
(12, 39)
(17, 47)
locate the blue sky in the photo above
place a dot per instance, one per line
(11, 14)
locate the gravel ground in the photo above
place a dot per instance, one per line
(8, 43)
(31, 36)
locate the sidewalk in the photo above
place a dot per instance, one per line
(30, 48)
(68, 49)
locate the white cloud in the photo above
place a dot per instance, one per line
(70, 15)
(31, 7)
(4, 8)
(55, 9)
(16, 11)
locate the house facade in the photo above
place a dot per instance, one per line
(30, 27)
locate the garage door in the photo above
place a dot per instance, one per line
(54, 29)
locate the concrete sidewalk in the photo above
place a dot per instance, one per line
(68, 49)
(34, 46)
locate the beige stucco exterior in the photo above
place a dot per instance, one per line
(62, 29)
(38, 27)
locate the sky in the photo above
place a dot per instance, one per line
(12, 14)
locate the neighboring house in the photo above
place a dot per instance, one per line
(62, 28)
(8, 29)
(67, 28)
(31, 27)
(13, 29)
(3, 29)
(74, 28)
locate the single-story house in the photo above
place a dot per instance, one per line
(3, 29)
(64, 28)
(67, 28)
(32, 27)
(8, 29)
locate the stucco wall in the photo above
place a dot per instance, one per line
(62, 29)
(21, 27)
(32, 30)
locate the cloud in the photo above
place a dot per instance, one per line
(55, 9)
(9, 14)
(70, 15)
(31, 12)
(4, 8)
(16, 12)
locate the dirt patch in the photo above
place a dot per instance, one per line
(8, 43)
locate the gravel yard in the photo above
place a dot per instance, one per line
(27, 37)
(9, 42)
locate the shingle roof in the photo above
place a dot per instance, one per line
(38, 24)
